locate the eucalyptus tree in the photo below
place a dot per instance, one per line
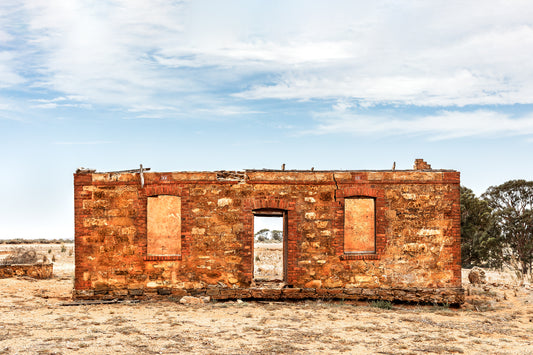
(512, 207)
(481, 244)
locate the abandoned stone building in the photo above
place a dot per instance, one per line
(357, 234)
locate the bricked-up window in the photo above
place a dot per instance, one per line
(164, 225)
(359, 225)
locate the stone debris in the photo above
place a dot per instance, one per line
(231, 176)
(36, 271)
(194, 300)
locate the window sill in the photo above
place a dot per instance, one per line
(162, 257)
(360, 257)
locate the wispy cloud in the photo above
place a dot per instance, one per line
(479, 68)
(83, 143)
(228, 111)
(8, 73)
(456, 89)
(100, 50)
(443, 125)
(68, 101)
(208, 109)
(256, 55)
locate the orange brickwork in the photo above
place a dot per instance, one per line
(402, 240)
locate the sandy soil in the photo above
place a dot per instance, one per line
(497, 319)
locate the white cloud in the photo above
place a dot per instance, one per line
(145, 108)
(102, 50)
(427, 55)
(227, 111)
(459, 88)
(53, 105)
(62, 101)
(83, 143)
(169, 53)
(443, 125)
(9, 59)
(479, 69)
(207, 110)
(260, 54)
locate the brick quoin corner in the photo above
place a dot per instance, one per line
(357, 234)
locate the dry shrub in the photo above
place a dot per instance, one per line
(23, 256)
(382, 304)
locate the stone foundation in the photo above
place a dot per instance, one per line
(452, 296)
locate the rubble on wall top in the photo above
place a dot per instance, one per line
(420, 164)
(231, 175)
(239, 175)
(93, 171)
(85, 171)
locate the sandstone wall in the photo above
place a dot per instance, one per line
(36, 271)
(417, 249)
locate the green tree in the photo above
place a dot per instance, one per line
(277, 235)
(512, 205)
(262, 235)
(481, 244)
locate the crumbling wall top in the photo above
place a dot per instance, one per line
(263, 174)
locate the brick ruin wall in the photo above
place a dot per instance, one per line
(417, 235)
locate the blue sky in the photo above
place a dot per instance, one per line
(209, 85)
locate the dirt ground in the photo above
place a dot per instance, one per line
(497, 319)
(268, 261)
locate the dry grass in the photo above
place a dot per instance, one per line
(23, 255)
(32, 321)
(268, 261)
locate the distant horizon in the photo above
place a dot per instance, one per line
(270, 223)
(38, 240)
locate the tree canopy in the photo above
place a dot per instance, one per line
(481, 244)
(267, 235)
(512, 208)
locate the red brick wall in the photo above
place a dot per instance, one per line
(417, 229)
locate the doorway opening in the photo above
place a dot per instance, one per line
(269, 260)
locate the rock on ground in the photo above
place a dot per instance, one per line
(194, 300)
(477, 276)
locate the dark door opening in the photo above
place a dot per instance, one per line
(270, 241)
